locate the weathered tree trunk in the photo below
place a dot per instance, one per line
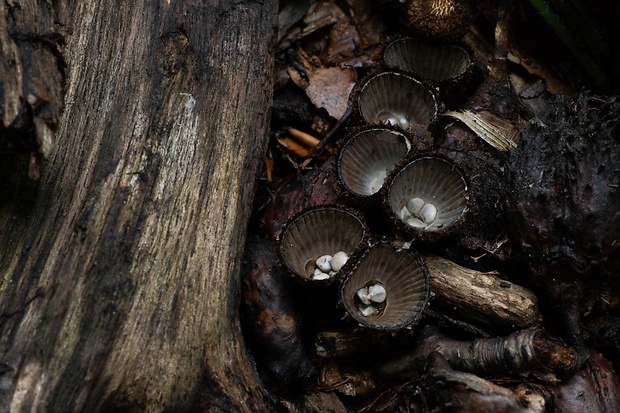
(119, 268)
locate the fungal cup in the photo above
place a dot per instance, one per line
(395, 99)
(368, 157)
(428, 196)
(388, 289)
(437, 62)
(316, 244)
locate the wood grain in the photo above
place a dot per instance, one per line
(481, 296)
(119, 284)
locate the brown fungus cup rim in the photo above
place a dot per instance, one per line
(297, 267)
(349, 287)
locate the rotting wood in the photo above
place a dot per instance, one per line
(272, 321)
(449, 390)
(31, 79)
(481, 296)
(352, 343)
(119, 286)
(529, 351)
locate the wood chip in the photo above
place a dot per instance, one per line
(319, 15)
(293, 146)
(304, 138)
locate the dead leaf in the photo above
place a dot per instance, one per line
(343, 40)
(493, 129)
(329, 88)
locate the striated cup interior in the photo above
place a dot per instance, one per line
(403, 279)
(428, 194)
(430, 60)
(318, 232)
(368, 157)
(391, 98)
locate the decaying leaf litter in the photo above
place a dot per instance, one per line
(529, 276)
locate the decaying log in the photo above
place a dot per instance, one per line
(32, 76)
(521, 353)
(557, 207)
(481, 296)
(447, 390)
(119, 271)
(403, 357)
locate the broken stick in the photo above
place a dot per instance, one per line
(521, 353)
(481, 296)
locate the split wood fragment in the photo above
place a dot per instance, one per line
(303, 138)
(293, 146)
(481, 296)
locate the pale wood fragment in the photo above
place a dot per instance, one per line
(482, 296)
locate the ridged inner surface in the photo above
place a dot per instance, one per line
(435, 181)
(369, 157)
(394, 95)
(432, 61)
(405, 282)
(319, 232)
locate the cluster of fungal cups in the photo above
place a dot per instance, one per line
(380, 286)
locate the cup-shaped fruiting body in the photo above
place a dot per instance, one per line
(368, 157)
(391, 98)
(388, 288)
(316, 244)
(427, 197)
(443, 20)
(445, 65)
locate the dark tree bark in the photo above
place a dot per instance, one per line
(119, 272)
(32, 76)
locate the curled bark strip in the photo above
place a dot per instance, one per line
(521, 353)
(494, 130)
(447, 390)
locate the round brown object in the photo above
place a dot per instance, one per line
(443, 20)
